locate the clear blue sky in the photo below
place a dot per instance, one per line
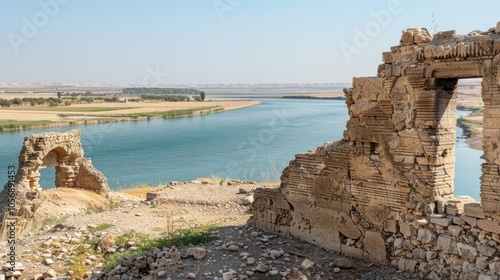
(214, 41)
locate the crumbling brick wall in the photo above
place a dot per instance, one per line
(384, 192)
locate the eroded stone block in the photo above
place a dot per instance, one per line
(425, 236)
(407, 229)
(469, 220)
(391, 226)
(466, 251)
(375, 246)
(444, 243)
(486, 250)
(444, 222)
(491, 226)
(473, 210)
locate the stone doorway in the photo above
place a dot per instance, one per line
(468, 156)
(390, 179)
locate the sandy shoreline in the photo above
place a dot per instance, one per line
(81, 114)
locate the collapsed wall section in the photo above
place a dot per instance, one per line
(384, 192)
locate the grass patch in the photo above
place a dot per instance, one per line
(178, 238)
(13, 125)
(172, 113)
(78, 267)
(478, 111)
(138, 191)
(156, 114)
(100, 227)
(52, 221)
(102, 120)
(71, 109)
(469, 126)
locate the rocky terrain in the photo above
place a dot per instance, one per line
(81, 245)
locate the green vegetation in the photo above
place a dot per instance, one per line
(152, 90)
(100, 227)
(172, 113)
(52, 101)
(471, 123)
(78, 266)
(76, 109)
(478, 111)
(52, 221)
(173, 98)
(13, 125)
(178, 238)
(202, 95)
(5, 102)
(469, 126)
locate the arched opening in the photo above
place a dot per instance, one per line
(55, 170)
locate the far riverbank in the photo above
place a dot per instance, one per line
(472, 124)
(28, 117)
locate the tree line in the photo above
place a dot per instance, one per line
(52, 101)
(152, 90)
(173, 98)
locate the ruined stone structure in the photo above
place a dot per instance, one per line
(64, 152)
(384, 192)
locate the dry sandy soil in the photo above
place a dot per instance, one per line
(190, 204)
(29, 113)
(469, 96)
(328, 94)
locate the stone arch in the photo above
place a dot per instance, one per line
(64, 152)
(53, 159)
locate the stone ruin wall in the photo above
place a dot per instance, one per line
(384, 193)
(64, 152)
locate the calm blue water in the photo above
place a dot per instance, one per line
(254, 143)
(467, 165)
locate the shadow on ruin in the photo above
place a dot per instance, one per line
(384, 192)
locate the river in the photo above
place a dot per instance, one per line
(253, 143)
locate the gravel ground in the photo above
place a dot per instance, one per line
(238, 251)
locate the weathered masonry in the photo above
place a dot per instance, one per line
(64, 152)
(385, 191)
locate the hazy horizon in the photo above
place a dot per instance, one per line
(214, 41)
